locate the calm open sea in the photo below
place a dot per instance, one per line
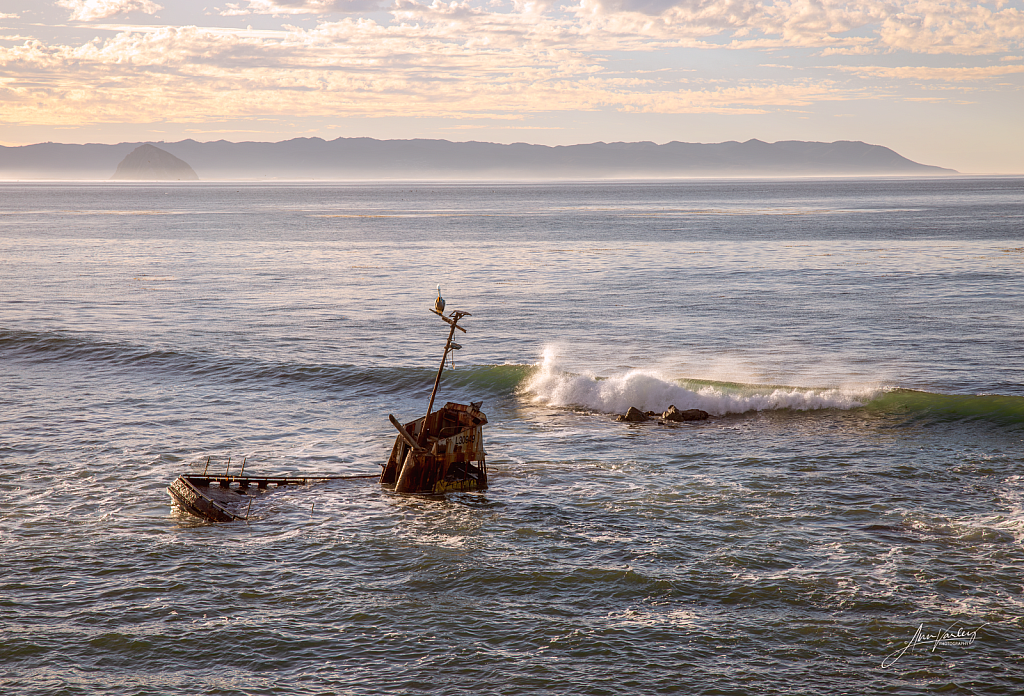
(849, 521)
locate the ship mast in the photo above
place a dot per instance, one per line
(453, 322)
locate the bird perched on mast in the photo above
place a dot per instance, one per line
(439, 302)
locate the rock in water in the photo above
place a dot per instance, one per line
(691, 414)
(633, 415)
(151, 163)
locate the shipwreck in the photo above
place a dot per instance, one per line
(228, 497)
(443, 450)
(437, 453)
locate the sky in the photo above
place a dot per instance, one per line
(939, 81)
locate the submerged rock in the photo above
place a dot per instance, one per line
(691, 414)
(633, 415)
(149, 163)
(673, 415)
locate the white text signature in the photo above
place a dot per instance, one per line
(954, 635)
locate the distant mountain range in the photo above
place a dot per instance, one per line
(366, 158)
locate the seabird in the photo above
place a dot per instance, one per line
(439, 302)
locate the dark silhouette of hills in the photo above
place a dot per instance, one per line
(148, 162)
(367, 158)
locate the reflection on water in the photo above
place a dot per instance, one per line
(859, 476)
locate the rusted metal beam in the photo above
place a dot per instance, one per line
(450, 322)
(410, 440)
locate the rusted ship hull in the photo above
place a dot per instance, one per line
(229, 498)
(448, 456)
(194, 495)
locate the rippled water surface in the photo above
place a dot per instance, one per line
(850, 519)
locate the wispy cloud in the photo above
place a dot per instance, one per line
(477, 59)
(355, 67)
(922, 73)
(920, 26)
(933, 26)
(89, 10)
(283, 8)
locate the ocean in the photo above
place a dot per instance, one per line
(849, 519)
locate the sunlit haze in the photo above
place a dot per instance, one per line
(938, 81)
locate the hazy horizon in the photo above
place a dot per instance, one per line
(1019, 172)
(345, 159)
(939, 82)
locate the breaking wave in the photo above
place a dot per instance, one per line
(545, 383)
(648, 390)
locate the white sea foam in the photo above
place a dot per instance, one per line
(651, 390)
(1011, 519)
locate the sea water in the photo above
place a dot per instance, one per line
(849, 519)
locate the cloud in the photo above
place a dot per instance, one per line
(858, 48)
(934, 26)
(280, 8)
(88, 10)
(465, 59)
(354, 67)
(858, 27)
(933, 73)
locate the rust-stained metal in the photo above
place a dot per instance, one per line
(223, 498)
(442, 451)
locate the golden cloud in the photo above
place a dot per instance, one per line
(464, 60)
(89, 10)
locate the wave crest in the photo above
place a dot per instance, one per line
(649, 390)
